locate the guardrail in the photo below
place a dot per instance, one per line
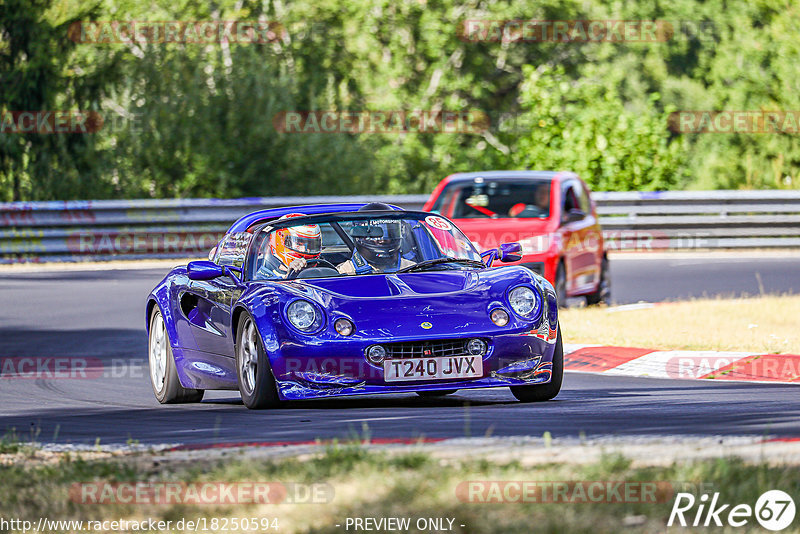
(700, 219)
(135, 229)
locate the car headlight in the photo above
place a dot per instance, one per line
(376, 354)
(524, 301)
(302, 314)
(476, 347)
(343, 327)
(499, 317)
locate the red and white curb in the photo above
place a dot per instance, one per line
(683, 364)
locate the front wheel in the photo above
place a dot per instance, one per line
(561, 285)
(543, 392)
(254, 374)
(163, 374)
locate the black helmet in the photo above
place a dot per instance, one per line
(376, 206)
(379, 241)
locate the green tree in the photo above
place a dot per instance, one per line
(585, 127)
(36, 75)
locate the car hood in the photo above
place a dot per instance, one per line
(393, 285)
(486, 234)
(410, 305)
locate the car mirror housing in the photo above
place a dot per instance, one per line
(507, 253)
(510, 252)
(204, 270)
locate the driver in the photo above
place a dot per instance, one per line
(291, 248)
(378, 248)
(541, 208)
(543, 198)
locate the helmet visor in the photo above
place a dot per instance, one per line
(309, 246)
(378, 231)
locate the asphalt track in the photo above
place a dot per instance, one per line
(98, 314)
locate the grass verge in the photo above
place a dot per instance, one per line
(378, 484)
(765, 324)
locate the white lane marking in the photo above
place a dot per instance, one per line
(678, 363)
(380, 418)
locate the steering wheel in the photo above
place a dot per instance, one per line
(313, 262)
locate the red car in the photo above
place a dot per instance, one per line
(551, 214)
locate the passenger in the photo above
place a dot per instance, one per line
(376, 253)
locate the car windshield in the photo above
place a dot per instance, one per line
(495, 199)
(355, 244)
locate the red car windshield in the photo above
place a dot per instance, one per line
(495, 199)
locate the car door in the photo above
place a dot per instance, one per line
(592, 239)
(577, 234)
(207, 304)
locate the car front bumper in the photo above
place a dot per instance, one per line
(511, 360)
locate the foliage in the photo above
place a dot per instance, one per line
(194, 120)
(585, 127)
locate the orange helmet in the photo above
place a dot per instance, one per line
(288, 244)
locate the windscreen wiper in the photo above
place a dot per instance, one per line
(438, 261)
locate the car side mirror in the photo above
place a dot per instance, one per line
(507, 253)
(208, 270)
(204, 270)
(510, 252)
(574, 215)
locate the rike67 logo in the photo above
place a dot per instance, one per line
(774, 510)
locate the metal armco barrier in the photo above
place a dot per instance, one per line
(681, 220)
(135, 229)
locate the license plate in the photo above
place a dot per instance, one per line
(433, 368)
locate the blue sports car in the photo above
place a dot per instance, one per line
(351, 299)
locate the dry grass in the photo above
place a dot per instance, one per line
(768, 324)
(410, 485)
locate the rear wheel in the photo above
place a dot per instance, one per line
(438, 393)
(603, 293)
(254, 374)
(543, 392)
(163, 374)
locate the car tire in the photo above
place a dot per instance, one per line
(438, 393)
(544, 392)
(561, 285)
(163, 373)
(253, 372)
(603, 293)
